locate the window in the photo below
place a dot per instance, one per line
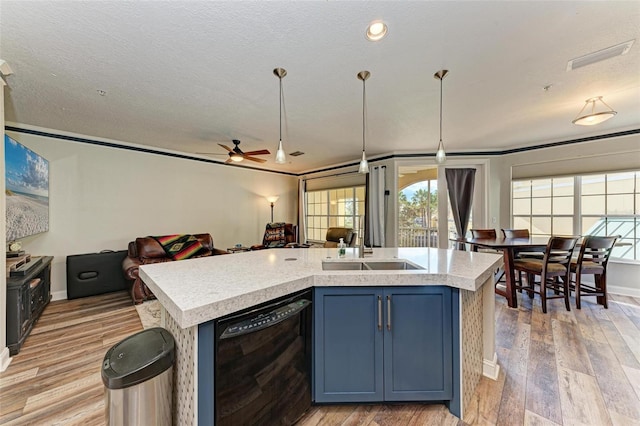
(544, 206)
(603, 204)
(611, 206)
(340, 207)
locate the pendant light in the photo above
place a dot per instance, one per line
(364, 166)
(280, 155)
(441, 157)
(594, 117)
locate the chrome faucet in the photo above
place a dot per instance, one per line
(361, 248)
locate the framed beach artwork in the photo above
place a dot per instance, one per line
(26, 191)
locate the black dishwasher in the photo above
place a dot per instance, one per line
(263, 363)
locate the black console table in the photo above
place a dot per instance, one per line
(27, 295)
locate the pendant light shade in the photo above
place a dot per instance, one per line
(364, 165)
(280, 155)
(441, 156)
(597, 113)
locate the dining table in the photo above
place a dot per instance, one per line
(509, 248)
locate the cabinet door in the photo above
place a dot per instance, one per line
(417, 344)
(348, 345)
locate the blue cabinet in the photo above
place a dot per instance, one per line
(384, 344)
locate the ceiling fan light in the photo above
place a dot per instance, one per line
(594, 117)
(364, 165)
(280, 155)
(236, 157)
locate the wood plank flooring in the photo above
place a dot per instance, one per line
(55, 379)
(560, 368)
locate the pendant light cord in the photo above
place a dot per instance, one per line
(280, 103)
(441, 108)
(364, 90)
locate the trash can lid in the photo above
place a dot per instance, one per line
(138, 358)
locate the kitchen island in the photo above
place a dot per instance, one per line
(195, 292)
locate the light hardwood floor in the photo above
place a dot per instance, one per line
(565, 368)
(55, 379)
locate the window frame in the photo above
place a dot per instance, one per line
(631, 238)
(353, 217)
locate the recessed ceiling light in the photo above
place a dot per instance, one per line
(376, 31)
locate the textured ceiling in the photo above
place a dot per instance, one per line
(186, 76)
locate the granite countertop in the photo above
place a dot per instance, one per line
(194, 291)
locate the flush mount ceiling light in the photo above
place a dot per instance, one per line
(364, 166)
(596, 115)
(376, 31)
(280, 156)
(441, 157)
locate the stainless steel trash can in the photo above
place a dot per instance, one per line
(138, 378)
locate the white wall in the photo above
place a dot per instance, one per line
(102, 198)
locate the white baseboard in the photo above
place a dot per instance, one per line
(491, 368)
(623, 291)
(5, 359)
(59, 295)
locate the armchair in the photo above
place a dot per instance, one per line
(146, 250)
(334, 235)
(277, 235)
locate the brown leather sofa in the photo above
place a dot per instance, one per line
(146, 250)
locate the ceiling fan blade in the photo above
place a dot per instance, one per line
(257, 160)
(226, 147)
(229, 160)
(260, 152)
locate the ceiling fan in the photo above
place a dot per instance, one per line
(236, 154)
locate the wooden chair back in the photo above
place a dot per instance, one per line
(515, 233)
(558, 252)
(483, 233)
(594, 253)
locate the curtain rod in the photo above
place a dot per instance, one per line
(339, 174)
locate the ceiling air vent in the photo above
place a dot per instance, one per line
(600, 55)
(296, 154)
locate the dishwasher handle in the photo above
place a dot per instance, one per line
(264, 320)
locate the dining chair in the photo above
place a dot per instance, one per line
(592, 260)
(554, 270)
(484, 234)
(519, 254)
(498, 274)
(515, 233)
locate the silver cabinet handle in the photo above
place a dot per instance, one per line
(379, 312)
(389, 313)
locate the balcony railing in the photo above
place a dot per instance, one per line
(417, 237)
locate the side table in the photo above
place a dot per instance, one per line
(238, 249)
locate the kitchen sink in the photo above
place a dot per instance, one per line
(390, 265)
(343, 266)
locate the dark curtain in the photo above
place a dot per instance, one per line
(460, 184)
